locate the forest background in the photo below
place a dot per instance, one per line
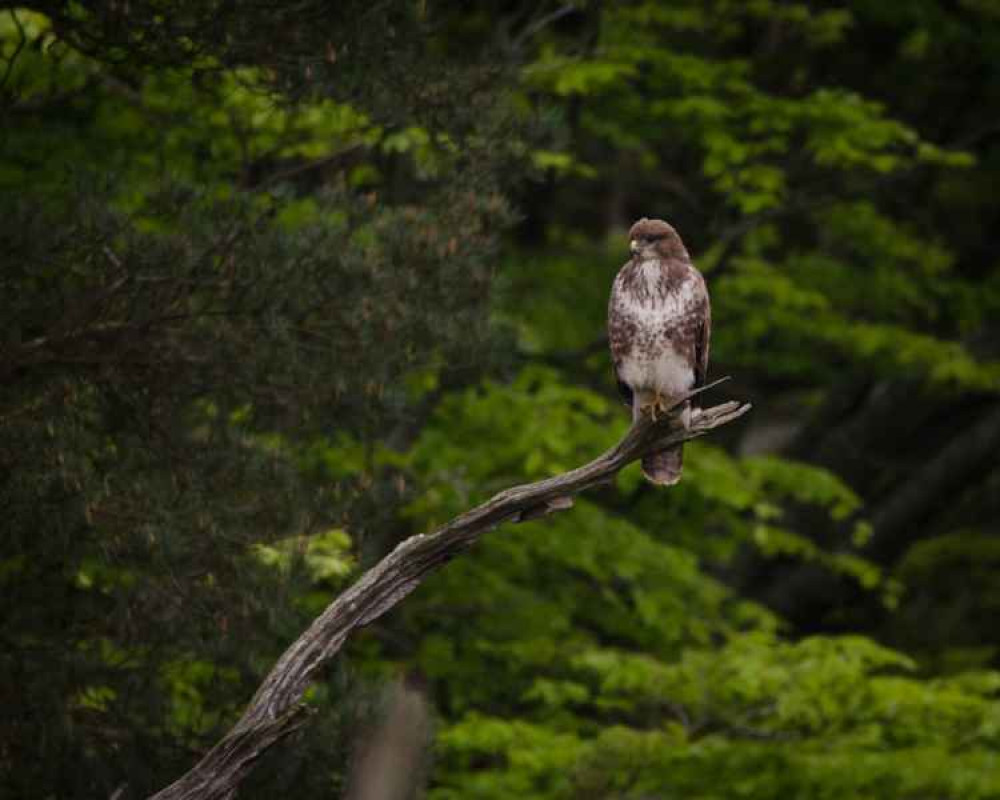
(285, 283)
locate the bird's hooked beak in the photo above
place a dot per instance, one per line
(633, 247)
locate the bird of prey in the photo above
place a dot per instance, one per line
(659, 322)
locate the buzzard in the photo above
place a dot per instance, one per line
(659, 321)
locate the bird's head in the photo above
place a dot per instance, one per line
(654, 238)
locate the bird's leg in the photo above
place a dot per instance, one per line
(654, 404)
(657, 406)
(646, 404)
(660, 404)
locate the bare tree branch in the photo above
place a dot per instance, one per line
(276, 709)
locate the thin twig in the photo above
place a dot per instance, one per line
(541, 23)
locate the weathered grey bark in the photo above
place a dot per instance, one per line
(276, 709)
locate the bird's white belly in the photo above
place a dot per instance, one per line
(666, 372)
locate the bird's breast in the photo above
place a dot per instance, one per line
(659, 316)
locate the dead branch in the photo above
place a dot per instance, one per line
(276, 709)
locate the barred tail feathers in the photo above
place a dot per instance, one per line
(664, 467)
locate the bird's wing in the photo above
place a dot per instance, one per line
(703, 339)
(619, 337)
(624, 391)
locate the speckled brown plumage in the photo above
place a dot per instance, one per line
(659, 324)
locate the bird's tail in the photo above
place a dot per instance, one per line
(664, 467)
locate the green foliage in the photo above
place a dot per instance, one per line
(190, 684)
(529, 428)
(757, 718)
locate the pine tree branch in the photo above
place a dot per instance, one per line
(276, 709)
